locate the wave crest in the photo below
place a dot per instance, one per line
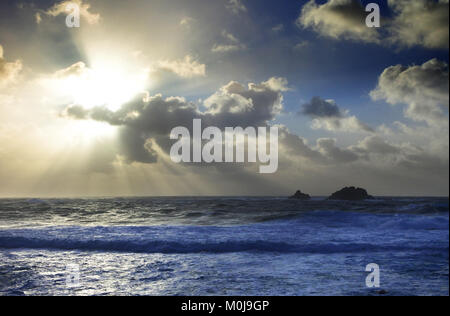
(172, 247)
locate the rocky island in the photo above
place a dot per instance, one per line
(351, 194)
(300, 196)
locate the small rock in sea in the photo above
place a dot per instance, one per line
(300, 196)
(351, 194)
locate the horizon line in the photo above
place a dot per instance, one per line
(200, 196)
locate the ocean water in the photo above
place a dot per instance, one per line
(223, 246)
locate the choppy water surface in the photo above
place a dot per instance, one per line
(223, 246)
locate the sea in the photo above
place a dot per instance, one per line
(224, 246)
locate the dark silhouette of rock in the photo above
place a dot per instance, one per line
(351, 194)
(300, 196)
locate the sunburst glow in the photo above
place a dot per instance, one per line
(106, 84)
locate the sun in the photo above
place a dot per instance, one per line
(107, 87)
(104, 83)
(109, 84)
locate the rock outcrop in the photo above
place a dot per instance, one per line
(300, 196)
(351, 194)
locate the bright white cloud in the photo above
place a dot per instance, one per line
(349, 124)
(78, 69)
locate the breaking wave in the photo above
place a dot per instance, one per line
(171, 247)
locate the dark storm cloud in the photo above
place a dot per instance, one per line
(136, 146)
(152, 118)
(318, 107)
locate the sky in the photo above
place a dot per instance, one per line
(88, 111)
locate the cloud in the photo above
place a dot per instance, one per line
(433, 138)
(424, 89)
(405, 157)
(375, 145)
(231, 44)
(327, 115)
(349, 124)
(187, 22)
(253, 105)
(417, 158)
(328, 148)
(76, 112)
(420, 22)
(296, 146)
(321, 108)
(404, 162)
(230, 37)
(184, 68)
(8, 70)
(60, 9)
(135, 146)
(326, 152)
(277, 84)
(226, 48)
(77, 69)
(145, 123)
(413, 23)
(236, 6)
(338, 19)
